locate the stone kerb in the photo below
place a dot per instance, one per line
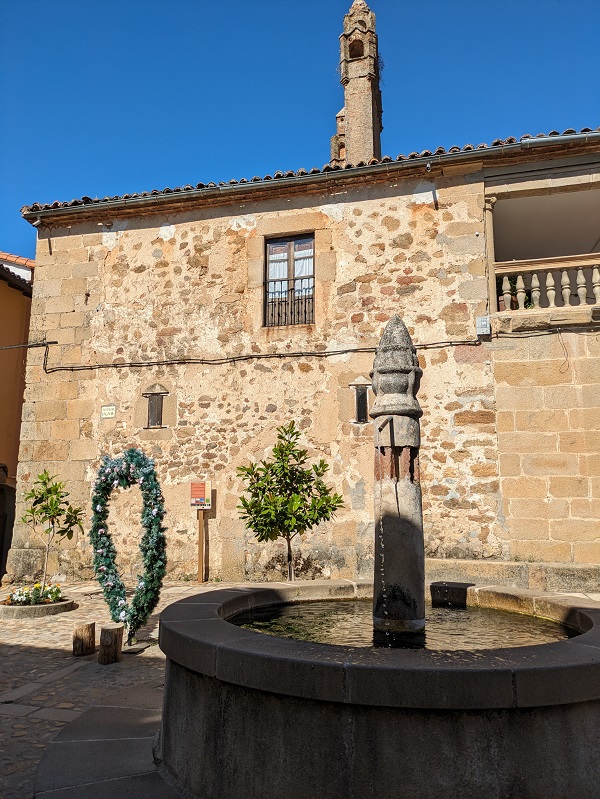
(35, 611)
(195, 634)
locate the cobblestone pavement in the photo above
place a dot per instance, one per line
(43, 687)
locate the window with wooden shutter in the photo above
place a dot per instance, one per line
(155, 395)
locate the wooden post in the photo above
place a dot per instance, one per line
(111, 644)
(84, 640)
(200, 546)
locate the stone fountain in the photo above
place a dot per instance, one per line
(251, 716)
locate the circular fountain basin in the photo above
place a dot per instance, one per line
(251, 716)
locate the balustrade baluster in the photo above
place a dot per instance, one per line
(565, 282)
(520, 292)
(507, 296)
(596, 284)
(581, 287)
(535, 290)
(550, 289)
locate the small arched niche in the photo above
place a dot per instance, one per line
(356, 49)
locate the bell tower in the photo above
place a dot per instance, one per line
(358, 136)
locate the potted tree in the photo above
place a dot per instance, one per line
(286, 498)
(52, 518)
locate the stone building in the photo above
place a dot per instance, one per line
(192, 322)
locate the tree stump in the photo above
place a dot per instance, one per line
(84, 640)
(111, 643)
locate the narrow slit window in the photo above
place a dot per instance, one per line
(361, 388)
(155, 410)
(362, 404)
(155, 396)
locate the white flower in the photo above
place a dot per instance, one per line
(98, 507)
(122, 615)
(121, 603)
(141, 584)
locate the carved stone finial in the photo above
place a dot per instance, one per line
(360, 4)
(396, 373)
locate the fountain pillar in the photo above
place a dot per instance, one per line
(399, 585)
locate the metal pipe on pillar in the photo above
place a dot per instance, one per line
(399, 585)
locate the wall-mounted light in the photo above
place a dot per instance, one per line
(37, 222)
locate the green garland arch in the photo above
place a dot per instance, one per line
(133, 468)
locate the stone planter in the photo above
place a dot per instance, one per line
(36, 611)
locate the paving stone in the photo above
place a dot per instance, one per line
(74, 763)
(112, 723)
(17, 693)
(16, 710)
(149, 786)
(56, 714)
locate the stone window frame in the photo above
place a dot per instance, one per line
(361, 387)
(298, 307)
(282, 225)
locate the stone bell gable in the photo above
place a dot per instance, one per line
(359, 123)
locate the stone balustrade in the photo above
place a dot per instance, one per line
(548, 283)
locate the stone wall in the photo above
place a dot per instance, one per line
(511, 445)
(548, 413)
(191, 286)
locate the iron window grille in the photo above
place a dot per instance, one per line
(290, 281)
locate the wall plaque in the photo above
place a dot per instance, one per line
(108, 411)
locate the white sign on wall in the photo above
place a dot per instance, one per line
(108, 411)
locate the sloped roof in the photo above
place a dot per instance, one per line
(15, 281)
(439, 154)
(17, 260)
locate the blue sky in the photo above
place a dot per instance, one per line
(119, 96)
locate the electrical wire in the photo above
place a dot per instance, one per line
(232, 358)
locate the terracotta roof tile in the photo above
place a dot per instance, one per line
(15, 281)
(18, 260)
(280, 175)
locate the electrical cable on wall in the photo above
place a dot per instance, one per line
(225, 360)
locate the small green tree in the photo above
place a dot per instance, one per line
(285, 498)
(49, 510)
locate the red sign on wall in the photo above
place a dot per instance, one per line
(201, 495)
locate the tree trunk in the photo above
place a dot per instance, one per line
(47, 553)
(290, 560)
(111, 644)
(84, 640)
